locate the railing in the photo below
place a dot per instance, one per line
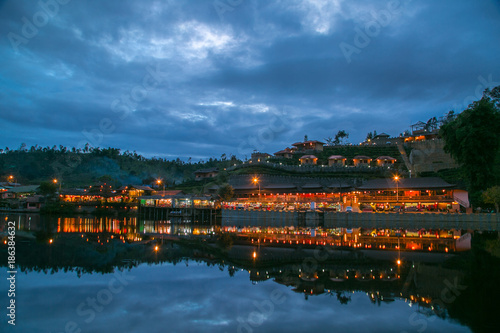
(422, 198)
(316, 168)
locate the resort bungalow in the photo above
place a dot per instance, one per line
(309, 145)
(258, 157)
(383, 161)
(338, 160)
(285, 153)
(308, 160)
(206, 173)
(361, 160)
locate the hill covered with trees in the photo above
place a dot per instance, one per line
(77, 167)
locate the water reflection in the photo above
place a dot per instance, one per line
(133, 229)
(175, 281)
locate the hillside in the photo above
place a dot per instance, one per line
(77, 168)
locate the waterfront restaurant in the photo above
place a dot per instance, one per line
(428, 194)
(177, 201)
(294, 194)
(409, 194)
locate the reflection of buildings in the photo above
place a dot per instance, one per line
(427, 286)
(357, 238)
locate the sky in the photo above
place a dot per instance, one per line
(202, 78)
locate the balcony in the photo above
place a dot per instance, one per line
(401, 198)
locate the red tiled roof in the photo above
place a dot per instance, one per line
(406, 183)
(284, 151)
(207, 170)
(307, 142)
(386, 158)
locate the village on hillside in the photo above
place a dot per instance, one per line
(381, 174)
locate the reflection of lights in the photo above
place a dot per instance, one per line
(50, 241)
(156, 248)
(398, 262)
(254, 254)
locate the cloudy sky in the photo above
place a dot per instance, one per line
(202, 78)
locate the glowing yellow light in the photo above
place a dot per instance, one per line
(254, 254)
(156, 248)
(55, 181)
(50, 241)
(398, 262)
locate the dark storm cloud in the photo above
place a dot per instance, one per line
(226, 74)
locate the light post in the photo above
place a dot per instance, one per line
(256, 181)
(159, 181)
(55, 182)
(12, 179)
(396, 179)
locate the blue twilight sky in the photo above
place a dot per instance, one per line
(202, 78)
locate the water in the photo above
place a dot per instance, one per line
(106, 285)
(194, 298)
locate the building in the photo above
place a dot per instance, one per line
(285, 153)
(421, 131)
(206, 173)
(93, 195)
(134, 191)
(258, 157)
(425, 193)
(19, 192)
(384, 161)
(361, 160)
(34, 203)
(337, 160)
(309, 146)
(308, 160)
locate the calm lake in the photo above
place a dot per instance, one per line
(98, 282)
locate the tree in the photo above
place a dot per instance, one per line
(329, 141)
(473, 140)
(492, 196)
(225, 192)
(369, 136)
(340, 136)
(47, 188)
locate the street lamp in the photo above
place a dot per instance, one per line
(256, 181)
(159, 181)
(12, 179)
(396, 179)
(55, 182)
